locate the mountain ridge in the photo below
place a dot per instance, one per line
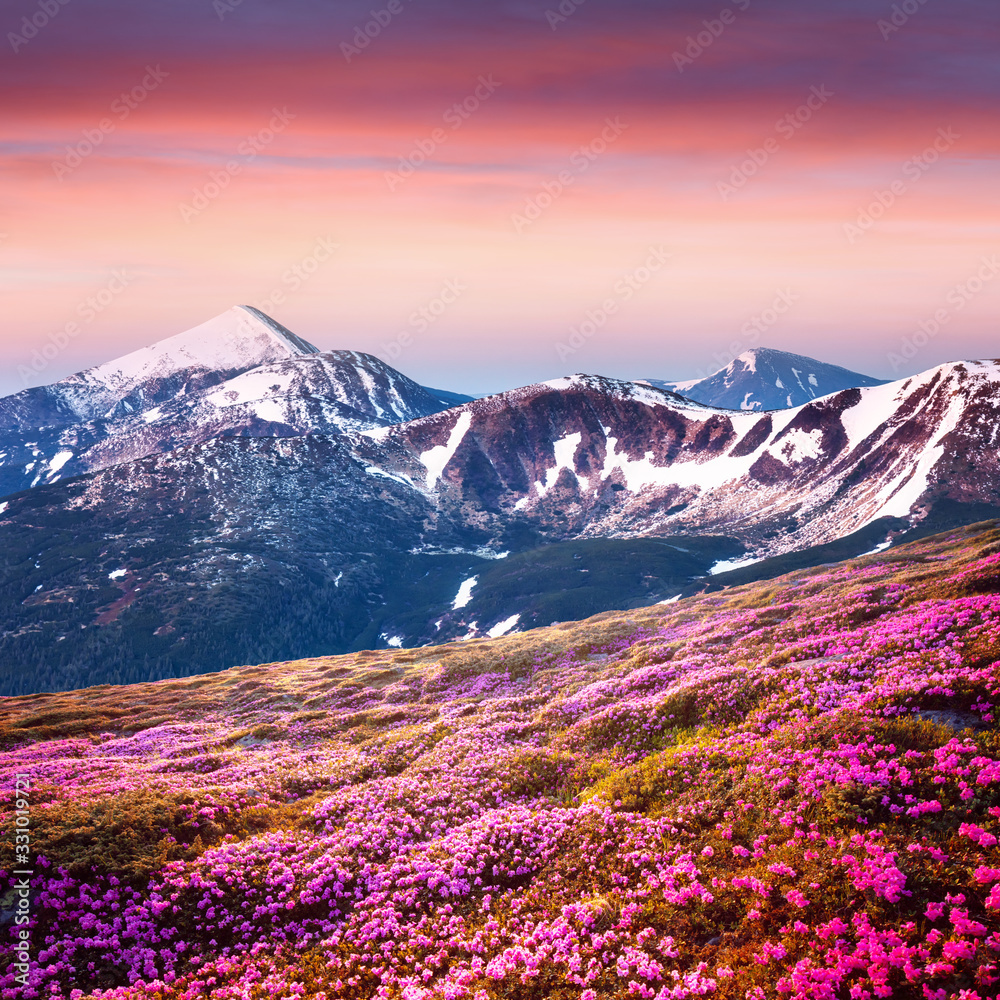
(698, 451)
(264, 547)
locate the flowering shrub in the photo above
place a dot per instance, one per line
(781, 790)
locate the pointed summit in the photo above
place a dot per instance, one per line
(765, 379)
(238, 340)
(240, 374)
(301, 346)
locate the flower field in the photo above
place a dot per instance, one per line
(787, 789)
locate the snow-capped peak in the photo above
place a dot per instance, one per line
(237, 340)
(762, 378)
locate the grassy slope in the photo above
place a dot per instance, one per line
(750, 793)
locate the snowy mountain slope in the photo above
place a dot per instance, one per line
(240, 339)
(372, 534)
(236, 341)
(764, 379)
(589, 457)
(240, 373)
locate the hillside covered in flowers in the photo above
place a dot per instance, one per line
(787, 789)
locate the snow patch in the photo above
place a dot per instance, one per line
(725, 565)
(797, 445)
(560, 383)
(902, 498)
(870, 413)
(708, 475)
(680, 387)
(251, 387)
(270, 410)
(481, 553)
(436, 459)
(59, 460)
(464, 595)
(654, 397)
(369, 383)
(502, 628)
(375, 471)
(117, 574)
(565, 451)
(878, 548)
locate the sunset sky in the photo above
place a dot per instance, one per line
(269, 152)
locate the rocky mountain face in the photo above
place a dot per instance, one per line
(240, 374)
(765, 379)
(242, 549)
(589, 457)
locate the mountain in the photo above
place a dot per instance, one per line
(237, 341)
(238, 374)
(241, 549)
(587, 456)
(764, 379)
(449, 399)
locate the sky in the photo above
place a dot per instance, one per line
(494, 193)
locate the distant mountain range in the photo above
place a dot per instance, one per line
(764, 379)
(287, 503)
